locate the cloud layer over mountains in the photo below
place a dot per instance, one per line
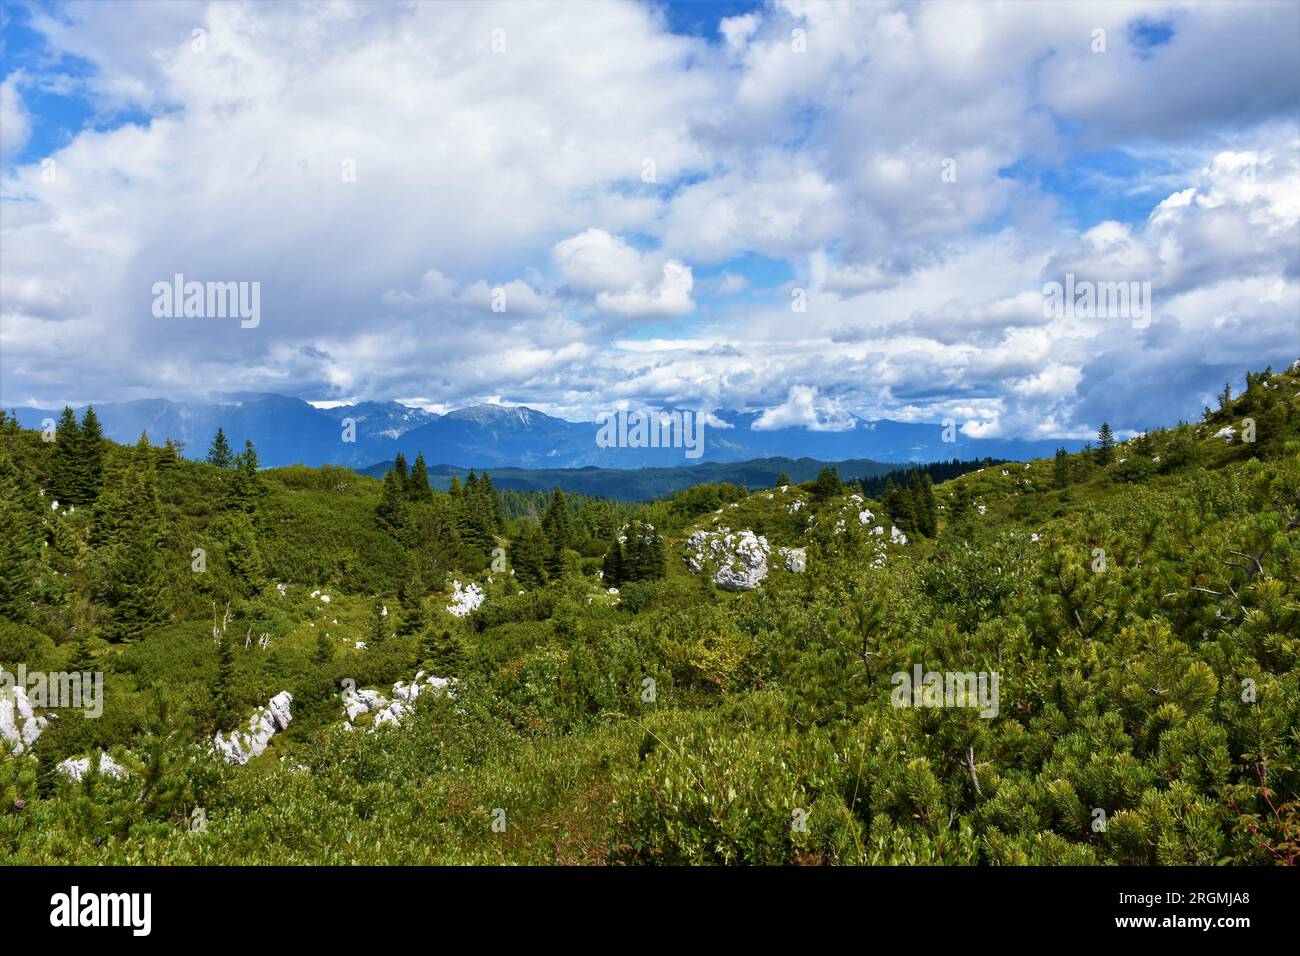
(573, 205)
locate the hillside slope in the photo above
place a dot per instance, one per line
(1129, 619)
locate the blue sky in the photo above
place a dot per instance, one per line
(810, 208)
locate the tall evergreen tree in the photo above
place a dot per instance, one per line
(528, 554)
(220, 453)
(90, 454)
(410, 605)
(1105, 445)
(1061, 470)
(130, 573)
(20, 539)
(245, 490)
(66, 462)
(827, 485)
(417, 484)
(392, 514)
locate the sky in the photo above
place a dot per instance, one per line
(816, 210)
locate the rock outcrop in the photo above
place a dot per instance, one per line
(266, 721)
(74, 768)
(20, 725)
(737, 561)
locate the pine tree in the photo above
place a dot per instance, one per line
(612, 567)
(245, 489)
(559, 533)
(66, 463)
(1061, 470)
(782, 480)
(324, 651)
(444, 652)
(410, 603)
(378, 630)
(1105, 445)
(220, 454)
(528, 554)
(827, 485)
(225, 695)
(90, 454)
(399, 466)
(21, 535)
(17, 563)
(392, 514)
(130, 572)
(1225, 396)
(417, 484)
(454, 487)
(237, 539)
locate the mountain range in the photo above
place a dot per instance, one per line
(288, 431)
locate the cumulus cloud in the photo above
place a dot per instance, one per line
(385, 170)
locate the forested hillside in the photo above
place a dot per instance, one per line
(304, 665)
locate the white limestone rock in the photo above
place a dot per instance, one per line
(738, 561)
(74, 768)
(242, 747)
(20, 725)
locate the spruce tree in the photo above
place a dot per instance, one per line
(827, 485)
(392, 514)
(418, 483)
(220, 454)
(378, 630)
(1061, 470)
(245, 490)
(130, 572)
(66, 462)
(90, 452)
(225, 697)
(612, 567)
(1105, 445)
(559, 533)
(399, 466)
(528, 554)
(410, 603)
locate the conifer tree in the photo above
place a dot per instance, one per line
(392, 514)
(612, 567)
(418, 483)
(225, 695)
(243, 559)
(324, 650)
(1061, 470)
(130, 572)
(410, 603)
(443, 651)
(559, 533)
(66, 462)
(245, 490)
(782, 480)
(21, 535)
(399, 466)
(378, 630)
(1105, 445)
(827, 485)
(528, 554)
(90, 454)
(220, 454)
